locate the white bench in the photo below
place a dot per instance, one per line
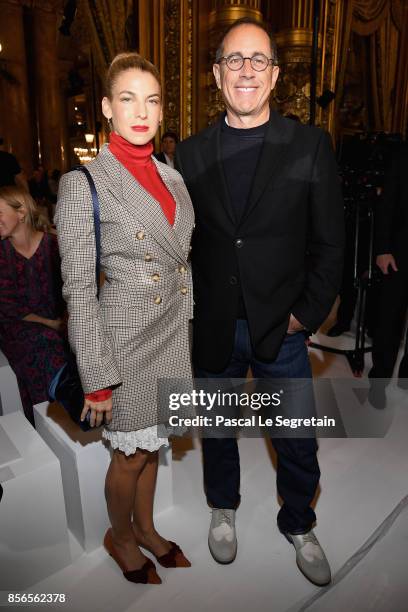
(10, 400)
(84, 462)
(34, 539)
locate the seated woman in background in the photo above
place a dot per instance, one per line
(31, 304)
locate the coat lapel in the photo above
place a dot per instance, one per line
(141, 204)
(272, 156)
(211, 152)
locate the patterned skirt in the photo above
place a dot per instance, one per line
(149, 438)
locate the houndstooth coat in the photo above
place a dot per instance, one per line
(138, 330)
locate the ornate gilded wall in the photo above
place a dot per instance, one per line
(381, 60)
(362, 58)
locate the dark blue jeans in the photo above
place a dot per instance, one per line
(297, 469)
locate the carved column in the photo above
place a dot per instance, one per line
(47, 85)
(15, 120)
(172, 24)
(64, 68)
(224, 13)
(145, 16)
(294, 40)
(188, 49)
(336, 33)
(175, 53)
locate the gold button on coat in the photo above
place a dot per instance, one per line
(184, 290)
(182, 269)
(140, 235)
(157, 299)
(148, 257)
(156, 277)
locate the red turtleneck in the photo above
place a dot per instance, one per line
(137, 159)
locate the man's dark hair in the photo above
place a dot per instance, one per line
(169, 134)
(248, 21)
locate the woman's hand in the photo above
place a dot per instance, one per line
(56, 324)
(294, 325)
(100, 412)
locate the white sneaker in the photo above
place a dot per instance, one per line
(222, 538)
(310, 557)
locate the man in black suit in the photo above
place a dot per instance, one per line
(267, 260)
(391, 247)
(169, 141)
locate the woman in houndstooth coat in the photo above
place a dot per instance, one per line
(137, 332)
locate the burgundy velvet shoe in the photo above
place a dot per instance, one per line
(174, 558)
(145, 575)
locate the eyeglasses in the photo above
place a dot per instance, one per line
(259, 62)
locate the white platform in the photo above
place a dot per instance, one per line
(10, 400)
(363, 480)
(84, 462)
(33, 528)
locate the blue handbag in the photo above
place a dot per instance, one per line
(66, 386)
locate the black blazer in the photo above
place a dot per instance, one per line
(391, 214)
(287, 250)
(161, 157)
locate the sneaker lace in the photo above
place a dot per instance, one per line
(309, 537)
(224, 516)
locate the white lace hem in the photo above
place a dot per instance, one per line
(150, 439)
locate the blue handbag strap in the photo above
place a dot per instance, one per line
(97, 222)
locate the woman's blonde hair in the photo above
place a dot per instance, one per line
(19, 199)
(128, 61)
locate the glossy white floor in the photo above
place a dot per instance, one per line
(363, 481)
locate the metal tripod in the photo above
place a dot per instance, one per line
(362, 282)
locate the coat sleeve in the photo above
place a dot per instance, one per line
(325, 245)
(76, 239)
